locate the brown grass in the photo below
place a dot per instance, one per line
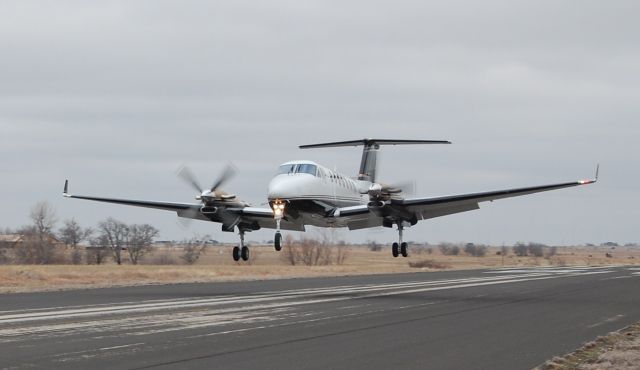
(619, 350)
(429, 264)
(216, 265)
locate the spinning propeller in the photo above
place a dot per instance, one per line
(213, 194)
(380, 193)
(211, 198)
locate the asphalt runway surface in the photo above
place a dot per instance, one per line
(481, 319)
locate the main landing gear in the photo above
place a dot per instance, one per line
(241, 251)
(401, 248)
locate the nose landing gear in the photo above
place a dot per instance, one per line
(278, 214)
(277, 241)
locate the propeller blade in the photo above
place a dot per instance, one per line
(225, 176)
(406, 187)
(185, 174)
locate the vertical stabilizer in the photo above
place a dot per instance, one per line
(368, 164)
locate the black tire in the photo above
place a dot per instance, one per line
(244, 253)
(394, 249)
(236, 253)
(404, 249)
(277, 241)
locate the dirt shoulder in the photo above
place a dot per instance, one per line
(619, 350)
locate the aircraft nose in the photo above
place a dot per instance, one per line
(279, 189)
(285, 187)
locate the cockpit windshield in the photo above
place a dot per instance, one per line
(307, 168)
(286, 169)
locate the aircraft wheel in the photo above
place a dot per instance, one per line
(244, 253)
(236, 253)
(394, 249)
(277, 241)
(404, 249)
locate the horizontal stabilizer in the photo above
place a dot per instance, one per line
(372, 142)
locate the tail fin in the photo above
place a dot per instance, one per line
(370, 151)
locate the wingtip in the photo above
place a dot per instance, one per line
(65, 192)
(594, 180)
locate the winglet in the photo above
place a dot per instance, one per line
(66, 189)
(597, 171)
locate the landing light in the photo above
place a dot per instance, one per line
(278, 209)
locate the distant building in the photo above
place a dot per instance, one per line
(10, 241)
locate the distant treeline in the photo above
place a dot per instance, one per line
(41, 242)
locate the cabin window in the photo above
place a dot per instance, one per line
(307, 168)
(286, 169)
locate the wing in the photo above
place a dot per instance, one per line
(425, 208)
(416, 209)
(230, 217)
(190, 210)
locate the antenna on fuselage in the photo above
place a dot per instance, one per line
(370, 151)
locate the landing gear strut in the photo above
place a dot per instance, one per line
(401, 248)
(278, 213)
(241, 251)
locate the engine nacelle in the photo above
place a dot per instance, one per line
(376, 204)
(208, 210)
(378, 208)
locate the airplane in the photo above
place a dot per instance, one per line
(305, 193)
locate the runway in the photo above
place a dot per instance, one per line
(481, 319)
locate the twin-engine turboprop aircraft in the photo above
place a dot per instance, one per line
(306, 193)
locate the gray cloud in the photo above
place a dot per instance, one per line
(117, 95)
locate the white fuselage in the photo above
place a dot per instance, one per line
(313, 190)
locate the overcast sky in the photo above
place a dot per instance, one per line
(115, 95)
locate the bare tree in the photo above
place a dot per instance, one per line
(44, 219)
(38, 244)
(140, 241)
(4, 257)
(98, 251)
(536, 249)
(193, 248)
(520, 249)
(342, 252)
(474, 250)
(449, 249)
(289, 251)
(374, 246)
(72, 234)
(115, 235)
(306, 251)
(504, 250)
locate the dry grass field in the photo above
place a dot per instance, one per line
(619, 350)
(164, 265)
